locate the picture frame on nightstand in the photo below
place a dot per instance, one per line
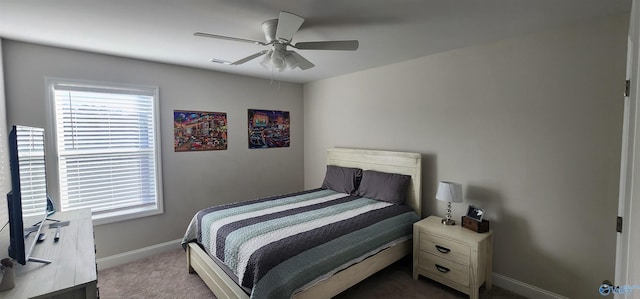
(475, 213)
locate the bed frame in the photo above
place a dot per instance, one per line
(224, 287)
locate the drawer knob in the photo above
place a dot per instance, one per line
(443, 249)
(442, 269)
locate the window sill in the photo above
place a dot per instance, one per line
(117, 216)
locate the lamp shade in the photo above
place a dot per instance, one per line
(449, 191)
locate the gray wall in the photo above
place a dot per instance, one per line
(192, 180)
(530, 126)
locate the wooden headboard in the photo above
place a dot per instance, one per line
(384, 161)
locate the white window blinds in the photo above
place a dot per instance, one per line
(107, 148)
(33, 181)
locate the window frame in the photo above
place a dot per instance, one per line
(53, 178)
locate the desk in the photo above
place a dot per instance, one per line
(72, 271)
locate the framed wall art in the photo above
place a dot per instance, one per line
(199, 131)
(268, 128)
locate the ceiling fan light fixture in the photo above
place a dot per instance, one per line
(277, 59)
(291, 61)
(274, 60)
(266, 60)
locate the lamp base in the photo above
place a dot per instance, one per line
(447, 219)
(448, 222)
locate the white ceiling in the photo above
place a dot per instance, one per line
(388, 31)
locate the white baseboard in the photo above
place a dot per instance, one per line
(523, 289)
(129, 256)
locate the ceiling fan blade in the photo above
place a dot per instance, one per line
(348, 45)
(235, 39)
(220, 61)
(250, 57)
(303, 63)
(288, 24)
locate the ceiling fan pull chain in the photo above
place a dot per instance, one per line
(271, 77)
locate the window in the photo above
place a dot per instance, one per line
(108, 149)
(33, 182)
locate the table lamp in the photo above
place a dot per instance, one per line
(449, 192)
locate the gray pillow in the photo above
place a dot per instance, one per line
(342, 179)
(389, 187)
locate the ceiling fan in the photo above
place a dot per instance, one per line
(278, 34)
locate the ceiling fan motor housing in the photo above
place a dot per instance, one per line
(269, 28)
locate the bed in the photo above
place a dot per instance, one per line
(230, 280)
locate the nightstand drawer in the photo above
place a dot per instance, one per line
(444, 248)
(434, 265)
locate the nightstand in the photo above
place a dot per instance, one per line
(452, 255)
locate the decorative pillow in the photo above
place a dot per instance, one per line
(342, 179)
(389, 187)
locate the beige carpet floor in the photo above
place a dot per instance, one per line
(165, 276)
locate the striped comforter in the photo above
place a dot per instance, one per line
(279, 245)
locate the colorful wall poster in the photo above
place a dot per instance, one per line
(199, 131)
(268, 128)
